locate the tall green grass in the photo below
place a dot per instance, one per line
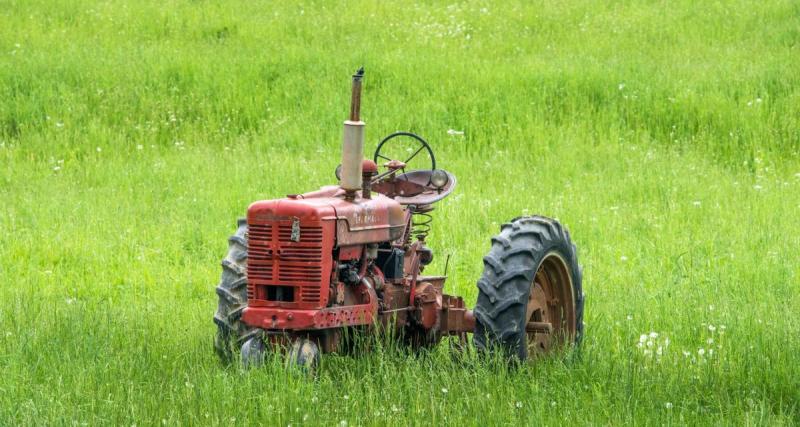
(664, 135)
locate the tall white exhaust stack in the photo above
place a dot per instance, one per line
(353, 142)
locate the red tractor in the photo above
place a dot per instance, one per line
(303, 270)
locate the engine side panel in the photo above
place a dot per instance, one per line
(375, 220)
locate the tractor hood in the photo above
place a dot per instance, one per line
(378, 219)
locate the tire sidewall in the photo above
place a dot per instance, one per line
(555, 241)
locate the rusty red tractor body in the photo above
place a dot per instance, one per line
(303, 269)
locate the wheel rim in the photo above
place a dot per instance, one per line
(550, 315)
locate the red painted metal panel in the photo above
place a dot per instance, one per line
(279, 318)
(290, 256)
(289, 245)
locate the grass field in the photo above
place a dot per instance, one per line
(665, 135)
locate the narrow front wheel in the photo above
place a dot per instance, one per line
(304, 355)
(253, 352)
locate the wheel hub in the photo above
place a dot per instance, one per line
(550, 310)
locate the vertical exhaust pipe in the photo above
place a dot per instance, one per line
(353, 142)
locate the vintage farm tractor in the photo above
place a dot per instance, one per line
(305, 270)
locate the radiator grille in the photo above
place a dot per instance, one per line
(307, 234)
(274, 259)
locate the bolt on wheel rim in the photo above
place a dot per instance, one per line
(550, 314)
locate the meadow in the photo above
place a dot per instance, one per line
(665, 135)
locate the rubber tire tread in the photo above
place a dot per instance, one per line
(505, 285)
(232, 293)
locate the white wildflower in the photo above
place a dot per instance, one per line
(668, 405)
(444, 390)
(518, 404)
(623, 258)
(653, 335)
(701, 351)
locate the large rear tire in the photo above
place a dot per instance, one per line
(232, 292)
(530, 299)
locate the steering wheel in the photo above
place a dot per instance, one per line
(408, 151)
